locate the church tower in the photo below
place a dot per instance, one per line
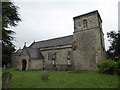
(88, 41)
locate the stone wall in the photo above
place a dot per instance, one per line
(36, 64)
(23, 56)
(89, 43)
(61, 56)
(15, 60)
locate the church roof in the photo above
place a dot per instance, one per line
(34, 53)
(18, 51)
(53, 42)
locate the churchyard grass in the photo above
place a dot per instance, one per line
(0, 79)
(62, 79)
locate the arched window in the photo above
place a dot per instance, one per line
(84, 23)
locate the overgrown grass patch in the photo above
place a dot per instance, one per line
(62, 79)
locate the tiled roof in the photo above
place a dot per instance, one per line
(53, 42)
(35, 53)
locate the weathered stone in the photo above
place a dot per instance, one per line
(89, 41)
(80, 51)
(5, 79)
(45, 75)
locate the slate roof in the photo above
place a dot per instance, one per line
(34, 53)
(53, 42)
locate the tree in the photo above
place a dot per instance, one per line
(114, 50)
(10, 18)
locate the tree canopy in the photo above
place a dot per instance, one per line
(114, 50)
(10, 18)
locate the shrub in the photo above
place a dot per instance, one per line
(118, 67)
(107, 66)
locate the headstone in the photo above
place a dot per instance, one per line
(4, 67)
(8, 65)
(45, 75)
(5, 80)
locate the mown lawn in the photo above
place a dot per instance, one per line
(0, 79)
(61, 79)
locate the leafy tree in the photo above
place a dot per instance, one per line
(114, 49)
(10, 18)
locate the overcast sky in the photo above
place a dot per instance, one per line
(47, 19)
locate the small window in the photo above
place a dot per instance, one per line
(68, 58)
(68, 62)
(84, 23)
(68, 55)
(53, 61)
(49, 56)
(54, 56)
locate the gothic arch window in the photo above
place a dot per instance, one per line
(85, 23)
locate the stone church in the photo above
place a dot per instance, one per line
(80, 51)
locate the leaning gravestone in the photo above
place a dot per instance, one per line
(45, 75)
(5, 80)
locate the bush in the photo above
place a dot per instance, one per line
(118, 67)
(108, 66)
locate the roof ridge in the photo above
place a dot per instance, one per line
(31, 48)
(53, 39)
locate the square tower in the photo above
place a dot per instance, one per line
(88, 41)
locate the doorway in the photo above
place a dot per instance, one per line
(24, 64)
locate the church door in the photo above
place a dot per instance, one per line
(24, 63)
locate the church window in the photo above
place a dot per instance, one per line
(68, 58)
(53, 56)
(85, 23)
(68, 55)
(53, 61)
(49, 56)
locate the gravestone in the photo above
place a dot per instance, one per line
(5, 80)
(4, 67)
(45, 75)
